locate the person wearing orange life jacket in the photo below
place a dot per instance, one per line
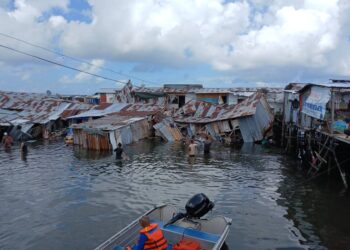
(151, 236)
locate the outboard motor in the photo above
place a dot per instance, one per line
(196, 207)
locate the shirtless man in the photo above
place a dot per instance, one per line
(192, 148)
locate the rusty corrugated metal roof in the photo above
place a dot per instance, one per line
(237, 91)
(142, 109)
(202, 112)
(37, 108)
(111, 122)
(101, 110)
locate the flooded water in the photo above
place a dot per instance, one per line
(62, 197)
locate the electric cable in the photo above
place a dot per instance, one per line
(72, 58)
(60, 64)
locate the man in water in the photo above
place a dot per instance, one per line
(7, 140)
(192, 148)
(119, 152)
(207, 144)
(24, 148)
(151, 236)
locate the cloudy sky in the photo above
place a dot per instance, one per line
(214, 42)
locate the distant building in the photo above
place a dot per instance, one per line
(215, 96)
(179, 94)
(108, 95)
(93, 100)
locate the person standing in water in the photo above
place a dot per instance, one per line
(207, 144)
(119, 153)
(7, 140)
(24, 148)
(192, 148)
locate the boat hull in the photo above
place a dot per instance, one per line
(209, 233)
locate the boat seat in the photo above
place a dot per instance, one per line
(170, 247)
(213, 238)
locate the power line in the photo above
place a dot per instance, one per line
(60, 64)
(72, 58)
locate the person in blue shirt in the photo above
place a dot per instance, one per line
(151, 236)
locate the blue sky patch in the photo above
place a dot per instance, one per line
(78, 10)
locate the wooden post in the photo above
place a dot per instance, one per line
(289, 139)
(283, 119)
(342, 173)
(283, 136)
(332, 110)
(329, 164)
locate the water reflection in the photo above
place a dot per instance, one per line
(62, 197)
(317, 207)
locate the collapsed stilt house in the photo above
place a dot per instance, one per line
(105, 133)
(252, 118)
(130, 124)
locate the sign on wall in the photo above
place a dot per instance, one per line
(315, 103)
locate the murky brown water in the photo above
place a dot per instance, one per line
(65, 198)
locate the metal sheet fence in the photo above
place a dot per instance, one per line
(93, 141)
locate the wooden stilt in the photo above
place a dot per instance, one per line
(342, 173)
(321, 159)
(329, 164)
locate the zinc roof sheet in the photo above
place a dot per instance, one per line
(101, 110)
(202, 112)
(37, 108)
(141, 109)
(337, 85)
(111, 122)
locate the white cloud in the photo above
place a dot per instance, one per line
(23, 23)
(28, 10)
(57, 21)
(236, 38)
(297, 33)
(93, 67)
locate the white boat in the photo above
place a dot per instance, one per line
(210, 233)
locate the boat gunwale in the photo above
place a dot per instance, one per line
(224, 234)
(104, 244)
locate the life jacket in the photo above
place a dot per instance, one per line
(187, 244)
(155, 240)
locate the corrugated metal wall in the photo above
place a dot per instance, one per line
(253, 127)
(168, 133)
(126, 135)
(89, 140)
(133, 132)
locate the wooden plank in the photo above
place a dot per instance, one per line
(320, 158)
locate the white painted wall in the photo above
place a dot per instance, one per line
(110, 98)
(232, 99)
(189, 97)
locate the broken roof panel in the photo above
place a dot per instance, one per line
(7, 116)
(37, 108)
(336, 85)
(124, 95)
(108, 123)
(245, 108)
(202, 112)
(75, 109)
(101, 110)
(142, 109)
(294, 87)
